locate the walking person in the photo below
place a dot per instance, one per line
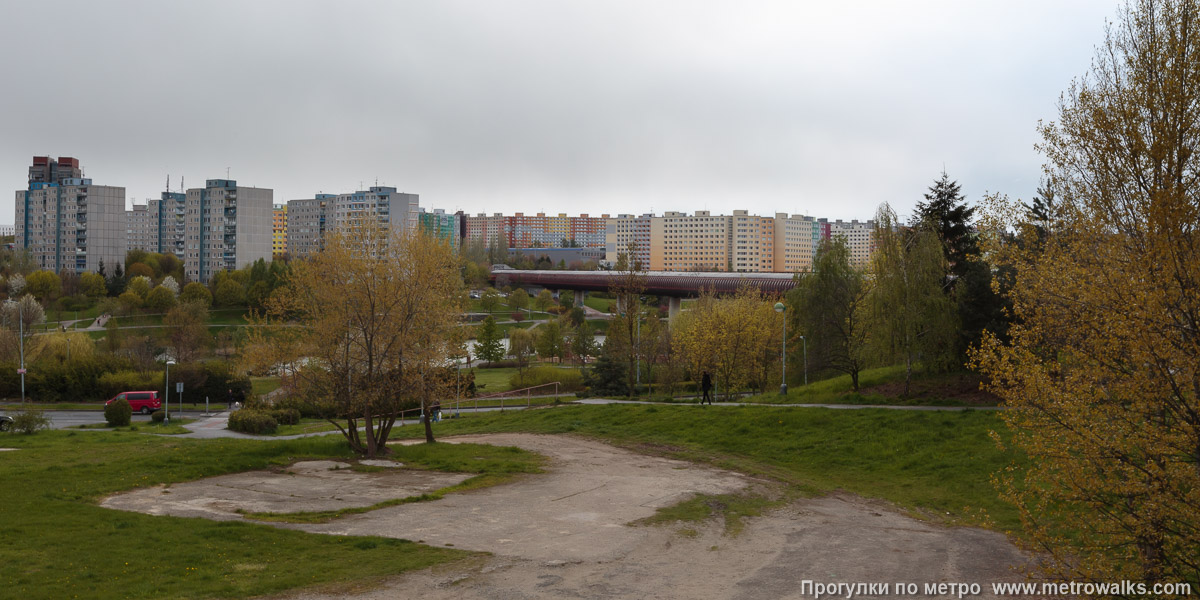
(706, 388)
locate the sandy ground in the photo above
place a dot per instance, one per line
(565, 533)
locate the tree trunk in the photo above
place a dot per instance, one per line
(907, 372)
(854, 380)
(428, 423)
(371, 446)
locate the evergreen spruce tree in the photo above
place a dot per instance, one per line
(969, 278)
(487, 341)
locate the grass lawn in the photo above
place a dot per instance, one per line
(936, 464)
(53, 316)
(228, 316)
(600, 304)
(260, 386)
(837, 390)
(305, 426)
(61, 545)
(490, 381)
(175, 427)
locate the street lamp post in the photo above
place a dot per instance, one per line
(21, 339)
(779, 308)
(167, 398)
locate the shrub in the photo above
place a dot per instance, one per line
(286, 416)
(29, 421)
(307, 408)
(118, 413)
(252, 421)
(113, 383)
(158, 416)
(568, 379)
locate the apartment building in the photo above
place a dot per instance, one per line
(65, 221)
(624, 230)
(391, 208)
(227, 226)
(697, 242)
(279, 231)
(440, 224)
(752, 243)
(487, 228)
(524, 231)
(306, 224)
(859, 236)
(796, 240)
(141, 227)
(169, 213)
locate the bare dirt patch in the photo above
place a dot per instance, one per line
(566, 533)
(305, 486)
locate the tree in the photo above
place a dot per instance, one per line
(520, 347)
(607, 376)
(549, 341)
(566, 298)
(627, 288)
(116, 281)
(733, 338)
(130, 300)
(16, 285)
(946, 214)
(829, 308)
(913, 319)
(969, 279)
(1101, 371)
(583, 343)
(139, 269)
(160, 299)
(44, 285)
(140, 285)
(378, 312)
(196, 292)
(92, 285)
(519, 299)
(487, 341)
(489, 300)
(171, 285)
(229, 292)
(187, 329)
(544, 300)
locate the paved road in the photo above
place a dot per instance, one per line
(66, 419)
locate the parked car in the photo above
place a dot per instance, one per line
(6, 423)
(144, 402)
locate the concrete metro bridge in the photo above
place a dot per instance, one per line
(673, 285)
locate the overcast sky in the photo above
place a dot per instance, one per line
(821, 108)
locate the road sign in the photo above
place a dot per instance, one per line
(179, 388)
(20, 371)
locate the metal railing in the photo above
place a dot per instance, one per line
(458, 404)
(526, 393)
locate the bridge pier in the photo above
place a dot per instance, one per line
(580, 296)
(673, 304)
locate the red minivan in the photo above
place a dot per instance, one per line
(143, 402)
